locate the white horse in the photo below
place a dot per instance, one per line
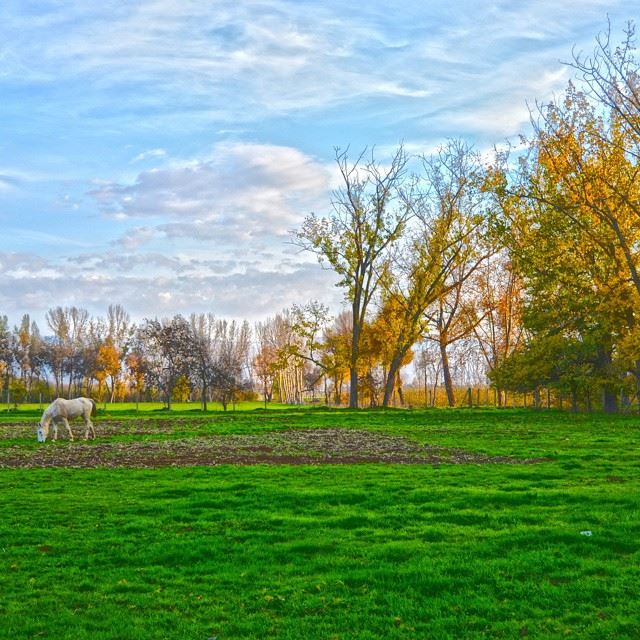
(61, 410)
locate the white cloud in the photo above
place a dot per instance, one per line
(151, 153)
(249, 293)
(212, 238)
(243, 191)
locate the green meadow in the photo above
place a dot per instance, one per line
(376, 550)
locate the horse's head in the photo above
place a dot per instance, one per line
(42, 432)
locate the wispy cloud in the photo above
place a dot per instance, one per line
(240, 60)
(151, 153)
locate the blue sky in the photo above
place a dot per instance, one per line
(156, 153)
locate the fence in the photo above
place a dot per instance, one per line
(476, 396)
(485, 396)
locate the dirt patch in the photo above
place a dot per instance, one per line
(107, 428)
(300, 446)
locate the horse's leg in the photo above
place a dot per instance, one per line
(55, 429)
(66, 422)
(88, 425)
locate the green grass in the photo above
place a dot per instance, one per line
(351, 552)
(30, 409)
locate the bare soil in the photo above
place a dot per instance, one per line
(296, 446)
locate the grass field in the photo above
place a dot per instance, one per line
(140, 408)
(482, 531)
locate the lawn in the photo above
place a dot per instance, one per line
(497, 524)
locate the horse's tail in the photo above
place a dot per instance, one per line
(94, 408)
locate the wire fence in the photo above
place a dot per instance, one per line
(412, 398)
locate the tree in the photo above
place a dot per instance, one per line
(6, 353)
(167, 349)
(204, 329)
(497, 320)
(455, 316)
(182, 389)
(280, 356)
(427, 365)
(370, 212)
(25, 352)
(66, 347)
(108, 366)
(573, 236)
(336, 354)
(264, 362)
(610, 78)
(120, 334)
(440, 255)
(135, 367)
(231, 361)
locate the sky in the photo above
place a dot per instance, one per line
(157, 153)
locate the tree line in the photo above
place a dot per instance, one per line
(301, 354)
(520, 267)
(555, 219)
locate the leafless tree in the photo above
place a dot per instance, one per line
(231, 361)
(167, 347)
(610, 76)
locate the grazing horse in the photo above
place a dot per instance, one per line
(61, 410)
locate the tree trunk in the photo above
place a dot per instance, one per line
(609, 399)
(337, 391)
(636, 374)
(204, 396)
(353, 387)
(536, 398)
(390, 381)
(353, 366)
(609, 395)
(446, 372)
(400, 390)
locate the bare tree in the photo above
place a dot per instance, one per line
(231, 361)
(611, 77)
(279, 359)
(167, 349)
(69, 326)
(205, 334)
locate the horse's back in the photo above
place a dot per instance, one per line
(62, 408)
